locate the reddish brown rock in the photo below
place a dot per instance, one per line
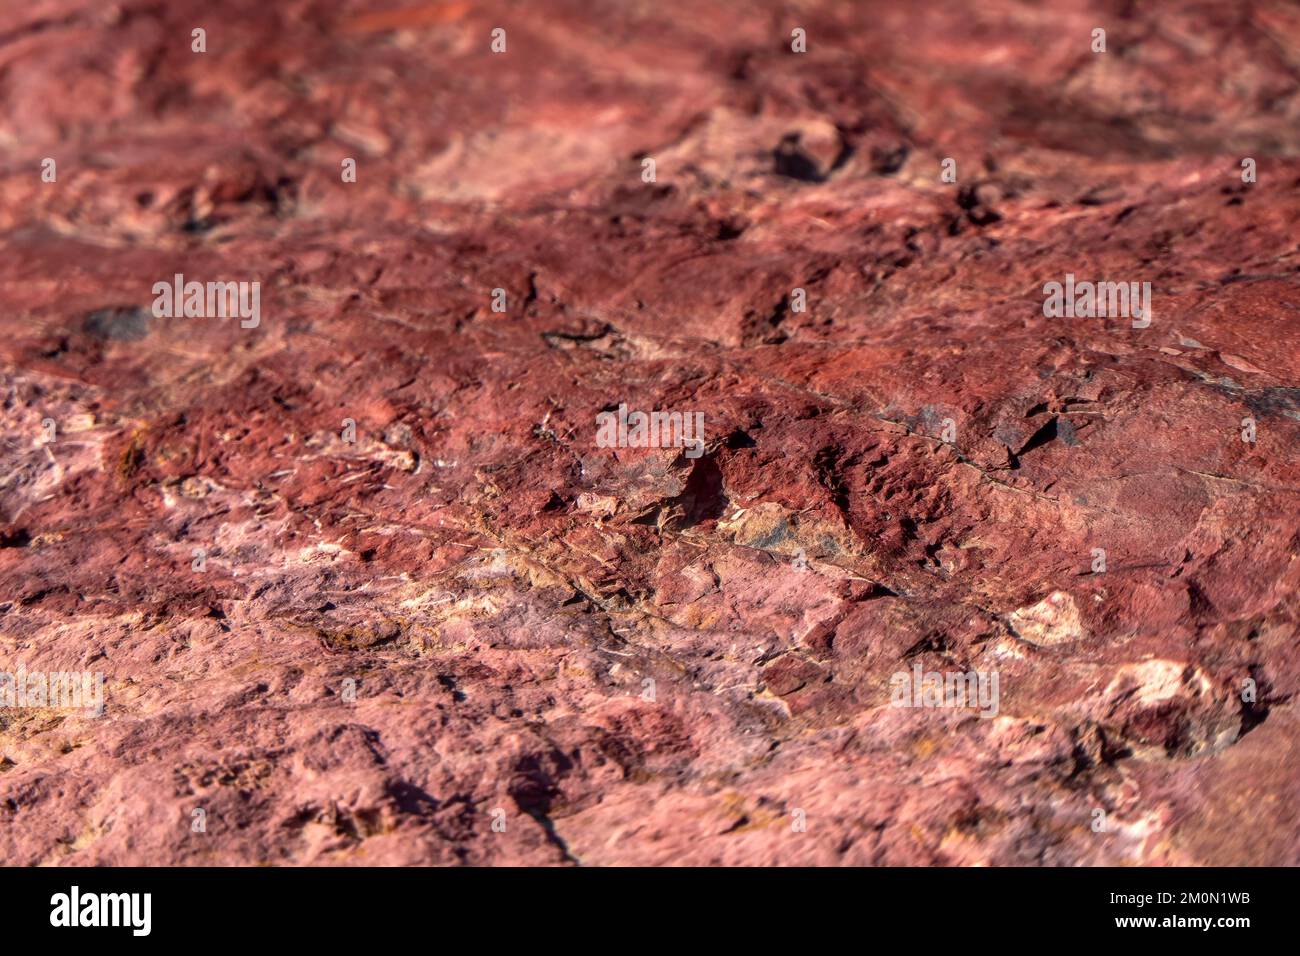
(470, 634)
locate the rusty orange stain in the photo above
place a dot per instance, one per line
(424, 14)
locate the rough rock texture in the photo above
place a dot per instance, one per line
(640, 657)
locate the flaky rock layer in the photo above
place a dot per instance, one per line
(364, 588)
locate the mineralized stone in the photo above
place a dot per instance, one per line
(363, 588)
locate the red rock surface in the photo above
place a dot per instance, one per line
(498, 587)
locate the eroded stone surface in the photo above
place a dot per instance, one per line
(641, 657)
